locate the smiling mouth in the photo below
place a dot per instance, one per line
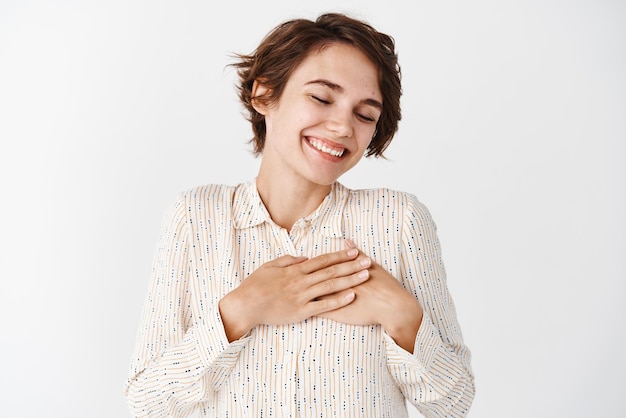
(320, 146)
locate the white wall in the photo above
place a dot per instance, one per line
(513, 134)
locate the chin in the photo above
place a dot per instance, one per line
(323, 180)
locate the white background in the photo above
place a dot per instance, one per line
(513, 134)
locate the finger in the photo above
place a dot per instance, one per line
(332, 286)
(332, 302)
(328, 259)
(349, 244)
(339, 270)
(286, 261)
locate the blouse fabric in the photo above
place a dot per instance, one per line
(214, 236)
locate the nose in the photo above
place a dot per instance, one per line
(340, 123)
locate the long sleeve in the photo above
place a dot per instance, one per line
(180, 358)
(214, 237)
(437, 378)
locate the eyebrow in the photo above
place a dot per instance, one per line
(336, 87)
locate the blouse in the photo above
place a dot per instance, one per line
(214, 236)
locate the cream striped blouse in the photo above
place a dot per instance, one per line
(214, 236)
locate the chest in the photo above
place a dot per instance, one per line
(225, 256)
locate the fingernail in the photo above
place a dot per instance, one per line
(363, 274)
(350, 296)
(352, 252)
(366, 262)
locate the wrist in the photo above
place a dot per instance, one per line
(404, 322)
(234, 317)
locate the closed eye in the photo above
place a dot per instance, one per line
(366, 118)
(320, 100)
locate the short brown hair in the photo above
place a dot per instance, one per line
(289, 43)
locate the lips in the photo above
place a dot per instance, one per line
(326, 148)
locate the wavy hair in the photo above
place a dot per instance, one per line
(288, 44)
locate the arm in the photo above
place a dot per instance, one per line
(291, 289)
(179, 359)
(424, 346)
(437, 377)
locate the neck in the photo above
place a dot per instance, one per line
(287, 201)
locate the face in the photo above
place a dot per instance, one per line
(325, 118)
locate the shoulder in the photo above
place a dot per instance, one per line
(386, 198)
(401, 205)
(208, 192)
(203, 201)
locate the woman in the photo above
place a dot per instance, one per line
(292, 295)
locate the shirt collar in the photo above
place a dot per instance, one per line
(249, 210)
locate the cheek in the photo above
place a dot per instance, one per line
(365, 137)
(357, 156)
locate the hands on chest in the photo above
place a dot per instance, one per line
(346, 286)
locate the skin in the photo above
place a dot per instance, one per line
(332, 100)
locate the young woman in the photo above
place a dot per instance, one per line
(292, 295)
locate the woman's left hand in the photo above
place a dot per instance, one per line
(382, 300)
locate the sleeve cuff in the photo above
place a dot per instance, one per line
(213, 346)
(427, 345)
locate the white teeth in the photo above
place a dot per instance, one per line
(320, 146)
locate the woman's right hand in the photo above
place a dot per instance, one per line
(286, 290)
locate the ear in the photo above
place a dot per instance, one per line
(259, 90)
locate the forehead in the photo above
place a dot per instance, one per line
(341, 64)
